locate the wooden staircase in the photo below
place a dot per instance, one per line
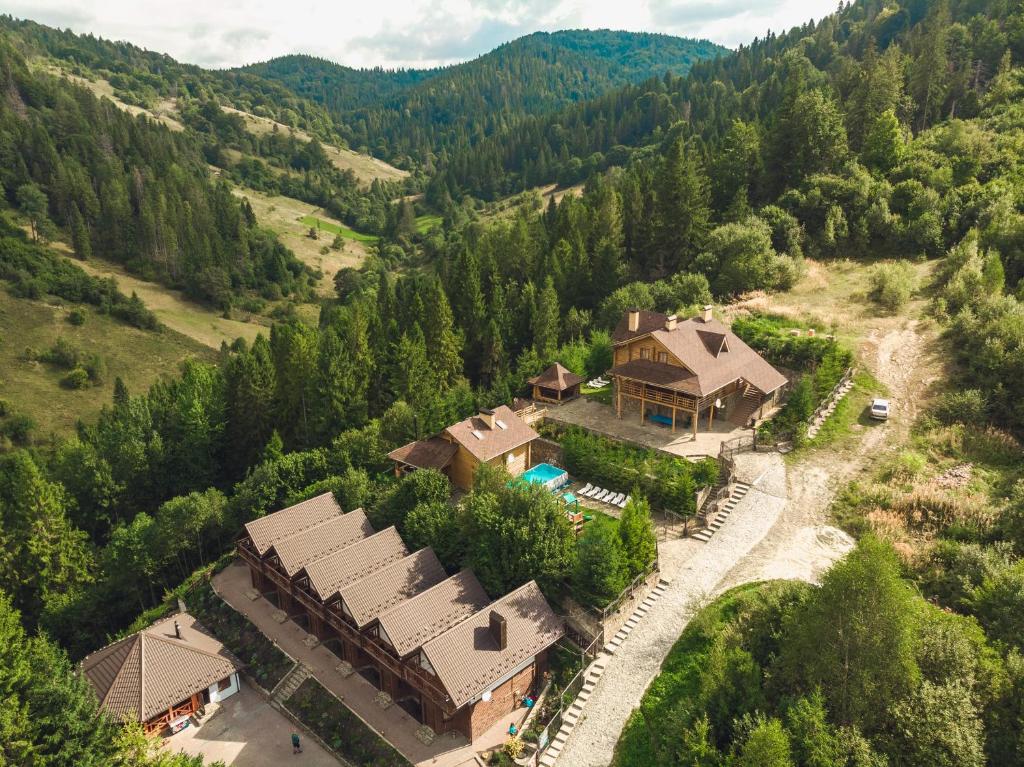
(748, 403)
(739, 490)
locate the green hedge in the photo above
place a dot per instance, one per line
(340, 729)
(769, 337)
(668, 483)
(807, 394)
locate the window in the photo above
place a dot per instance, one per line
(662, 356)
(224, 684)
(645, 353)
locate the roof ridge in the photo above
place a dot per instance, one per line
(142, 675)
(183, 644)
(435, 586)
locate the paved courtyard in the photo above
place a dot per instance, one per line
(247, 732)
(601, 419)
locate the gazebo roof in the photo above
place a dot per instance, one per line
(556, 377)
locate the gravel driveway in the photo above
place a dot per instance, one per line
(695, 570)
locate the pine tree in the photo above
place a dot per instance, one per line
(929, 67)
(546, 323)
(682, 209)
(639, 544)
(80, 236)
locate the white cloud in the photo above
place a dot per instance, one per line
(392, 33)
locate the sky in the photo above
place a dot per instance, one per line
(395, 33)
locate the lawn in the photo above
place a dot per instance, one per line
(139, 357)
(337, 228)
(340, 729)
(425, 223)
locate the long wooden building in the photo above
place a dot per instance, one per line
(437, 644)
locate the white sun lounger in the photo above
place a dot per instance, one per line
(622, 504)
(602, 495)
(585, 489)
(614, 501)
(591, 492)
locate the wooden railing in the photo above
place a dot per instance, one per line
(656, 395)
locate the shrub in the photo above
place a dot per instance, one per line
(968, 406)
(76, 317)
(892, 285)
(5, 408)
(63, 354)
(78, 378)
(18, 428)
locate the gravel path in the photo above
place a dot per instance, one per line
(696, 571)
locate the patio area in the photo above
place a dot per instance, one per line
(601, 419)
(393, 724)
(245, 731)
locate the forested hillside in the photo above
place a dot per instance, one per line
(774, 106)
(420, 114)
(130, 190)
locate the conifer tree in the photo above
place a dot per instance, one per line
(682, 211)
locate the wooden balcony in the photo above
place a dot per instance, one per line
(654, 394)
(251, 557)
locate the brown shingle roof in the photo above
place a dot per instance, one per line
(659, 374)
(715, 354)
(466, 657)
(356, 561)
(556, 377)
(410, 624)
(492, 442)
(368, 597)
(141, 676)
(433, 453)
(265, 531)
(317, 542)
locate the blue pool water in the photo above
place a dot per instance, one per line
(547, 475)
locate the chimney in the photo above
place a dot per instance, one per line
(177, 630)
(670, 322)
(706, 316)
(633, 316)
(487, 416)
(499, 629)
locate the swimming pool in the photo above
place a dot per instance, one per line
(545, 474)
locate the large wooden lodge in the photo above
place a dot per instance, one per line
(676, 372)
(437, 644)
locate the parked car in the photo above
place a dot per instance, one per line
(879, 409)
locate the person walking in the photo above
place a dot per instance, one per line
(296, 745)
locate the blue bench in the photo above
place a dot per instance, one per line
(663, 419)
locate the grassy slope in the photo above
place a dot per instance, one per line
(679, 677)
(139, 357)
(196, 321)
(291, 219)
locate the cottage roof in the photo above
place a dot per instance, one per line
(335, 571)
(368, 597)
(265, 531)
(711, 351)
(467, 657)
(433, 453)
(484, 442)
(660, 374)
(141, 676)
(336, 533)
(410, 624)
(556, 377)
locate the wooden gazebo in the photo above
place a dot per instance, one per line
(556, 384)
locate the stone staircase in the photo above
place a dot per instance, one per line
(739, 490)
(575, 711)
(594, 673)
(822, 416)
(638, 613)
(749, 402)
(290, 683)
